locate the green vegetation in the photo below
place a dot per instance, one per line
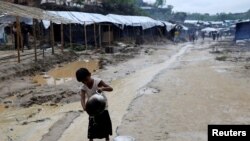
(126, 7)
(219, 16)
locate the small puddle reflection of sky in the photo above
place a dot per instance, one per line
(65, 73)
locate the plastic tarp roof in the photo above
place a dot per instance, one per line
(8, 19)
(119, 20)
(169, 25)
(81, 18)
(184, 27)
(145, 22)
(242, 31)
(191, 21)
(209, 29)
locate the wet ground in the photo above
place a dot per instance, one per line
(166, 92)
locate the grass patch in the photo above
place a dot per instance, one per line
(221, 58)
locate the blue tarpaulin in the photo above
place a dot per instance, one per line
(242, 31)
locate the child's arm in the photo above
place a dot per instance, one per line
(104, 87)
(83, 99)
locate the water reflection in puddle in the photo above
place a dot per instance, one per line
(2, 108)
(65, 73)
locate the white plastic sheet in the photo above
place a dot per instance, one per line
(119, 20)
(209, 29)
(168, 25)
(145, 22)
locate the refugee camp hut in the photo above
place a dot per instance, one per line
(6, 22)
(18, 11)
(208, 31)
(134, 26)
(184, 33)
(191, 23)
(168, 27)
(86, 28)
(242, 31)
(217, 24)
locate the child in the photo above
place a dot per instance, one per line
(100, 126)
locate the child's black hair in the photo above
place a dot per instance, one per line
(82, 74)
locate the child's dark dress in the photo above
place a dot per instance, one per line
(100, 126)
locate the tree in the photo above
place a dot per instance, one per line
(160, 3)
(179, 16)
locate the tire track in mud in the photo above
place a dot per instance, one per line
(57, 130)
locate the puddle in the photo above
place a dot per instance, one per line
(2, 108)
(65, 73)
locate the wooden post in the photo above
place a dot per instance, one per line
(52, 37)
(34, 35)
(62, 38)
(85, 36)
(109, 36)
(21, 37)
(100, 37)
(18, 37)
(70, 35)
(95, 35)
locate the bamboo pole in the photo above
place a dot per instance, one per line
(85, 36)
(18, 37)
(100, 37)
(95, 35)
(21, 37)
(62, 38)
(70, 35)
(109, 36)
(52, 37)
(34, 35)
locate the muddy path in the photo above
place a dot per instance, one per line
(182, 100)
(38, 121)
(163, 92)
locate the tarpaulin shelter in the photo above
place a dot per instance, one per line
(242, 31)
(209, 29)
(7, 8)
(134, 26)
(120, 25)
(80, 21)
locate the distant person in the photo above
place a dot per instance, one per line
(14, 31)
(214, 35)
(176, 36)
(218, 36)
(203, 35)
(196, 35)
(100, 126)
(25, 34)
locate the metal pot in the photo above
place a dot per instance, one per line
(96, 104)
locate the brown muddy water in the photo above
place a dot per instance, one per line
(65, 73)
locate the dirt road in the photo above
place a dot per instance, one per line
(167, 92)
(194, 92)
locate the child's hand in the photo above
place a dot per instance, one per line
(99, 90)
